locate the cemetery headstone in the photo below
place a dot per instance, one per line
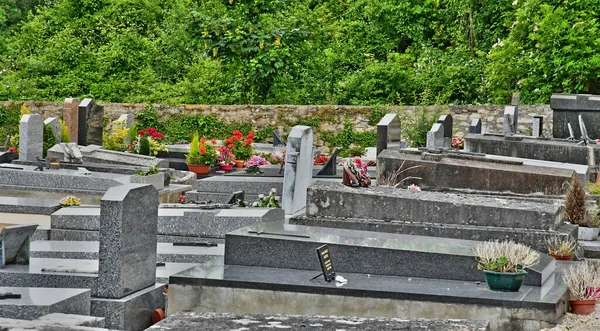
(330, 167)
(538, 126)
(515, 99)
(446, 121)
(298, 168)
(388, 132)
(90, 125)
(128, 227)
(14, 244)
(31, 137)
(6, 140)
(71, 117)
(511, 114)
(124, 121)
(54, 124)
(435, 136)
(571, 133)
(277, 140)
(583, 130)
(567, 107)
(71, 152)
(475, 126)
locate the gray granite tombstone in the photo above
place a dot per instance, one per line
(84, 110)
(54, 124)
(277, 140)
(6, 141)
(127, 119)
(128, 227)
(388, 132)
(14, 244)
(567, 107)
(538, 126)
(475, 126)
(435, 136)
(446, 121)
(31, 137)
(330, 167)
(511, 116)
(90, 123)
(298, 168)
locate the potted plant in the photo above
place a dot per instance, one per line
(201, 157)
(504, 264)
(153, 177)
(226, 158)
(148, 142)
(240, 146)
(583, 282)
(561, 248)
(577, 213)
(255, 163)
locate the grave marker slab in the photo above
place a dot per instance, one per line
(71, 117)
(511, 114)
(446, 121)
(298, 168)
(14, 244)
(31, 137)
(567, 107)
(54, 124)
(128, 229)
(277, 140)
(388, 132)
(538, 126)
(330, 167)
(475, 126)
(435, 136)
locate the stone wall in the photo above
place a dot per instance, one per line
(332, 116)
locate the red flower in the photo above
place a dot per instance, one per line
(12, 150)
(203, 141)
(155, 135)
(230, 146)
(141, 132)
(228, 141)
(357, 160)
(214, 142)
(251, 134)
(151, 130)
(244, 143)
(202, 150)
(237, 133)
(236, 138)
(160, 135)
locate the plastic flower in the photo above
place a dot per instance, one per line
(414, 187)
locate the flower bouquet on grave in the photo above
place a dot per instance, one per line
(458, 143)
(69, 201)
(356, 173)
(255, 163)
(226, 158)
(148, 142)
(320, 159)
(241, 146)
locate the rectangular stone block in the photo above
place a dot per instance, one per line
(71, 118)
(298, 169)
(128, 229)
(567, 107)
(538, 126)
(37, 302)
(435, 136)
(14, 244)
(54, 124)
(511, 117)
(388, 132)
(31, 137)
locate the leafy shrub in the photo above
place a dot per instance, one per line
(49, 139)
(64, 132)
(417, 126)
(575, 210)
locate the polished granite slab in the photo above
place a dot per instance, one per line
(37, 302)
(289, 246)
(216, 274)
(28, 205)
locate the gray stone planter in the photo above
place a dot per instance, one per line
(586, 233)
(157, 180)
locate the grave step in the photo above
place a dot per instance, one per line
(28, 205)
(591, 248)
(288, 246)
(171, 221)
(73, 320)
(237, 289)
(37, 302)
(218, 197)
(332, 199)
(254, 185)
(84, 235)
(88, 250)
(533, 238)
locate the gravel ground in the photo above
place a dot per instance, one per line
(573, 322)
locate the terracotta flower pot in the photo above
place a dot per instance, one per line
(562, 258)
(158, 315)
(239, 163)
(199, 169)
(226, 167)
(583, 307)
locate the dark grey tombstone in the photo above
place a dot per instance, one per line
(388, 133)
(6, 157)
(446, 121)
(538, 126)
(567, 107)
(435, 137)
(235, 196)
(14, 244)
(475, 126)
(128, 227)
(6, 140)
(90, 124)
(511, 117)
(277, 140)
(84, 111)
(330, 167)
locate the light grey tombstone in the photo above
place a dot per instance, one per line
(31, 137)
(128, 227)
(538, 126)
(475, 126)
(298, 168)
(14, 244)
(446, 121)
(571, 133)
(435, 136)
(388, 133)
(511, 116)
(6, 140)
(127, 119)
(583, 129)
(54, 124)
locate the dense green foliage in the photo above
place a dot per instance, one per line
(298, 52)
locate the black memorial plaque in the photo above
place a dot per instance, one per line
(326, 263)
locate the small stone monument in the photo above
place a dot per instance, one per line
(54, 124)
(71, 117)
(128, 227)
(298, 169)
(475, 126)
(446, 121)
(538, 126)
(330, 167)
(31, 137)
(435, 136)
(277, 140)
(511, 114)
(388, 133)
(14, 244)
(90, 118)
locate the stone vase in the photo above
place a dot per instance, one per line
(156, 180)
(586, 233)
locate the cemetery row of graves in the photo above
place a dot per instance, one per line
(221, 234)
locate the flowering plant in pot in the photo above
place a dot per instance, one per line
(148, 142)
(583, 282)
(226, 158)
(241, 146)
(561, 248)
(202, 156)
(356, 173)
(255, 163)
(504, 264)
